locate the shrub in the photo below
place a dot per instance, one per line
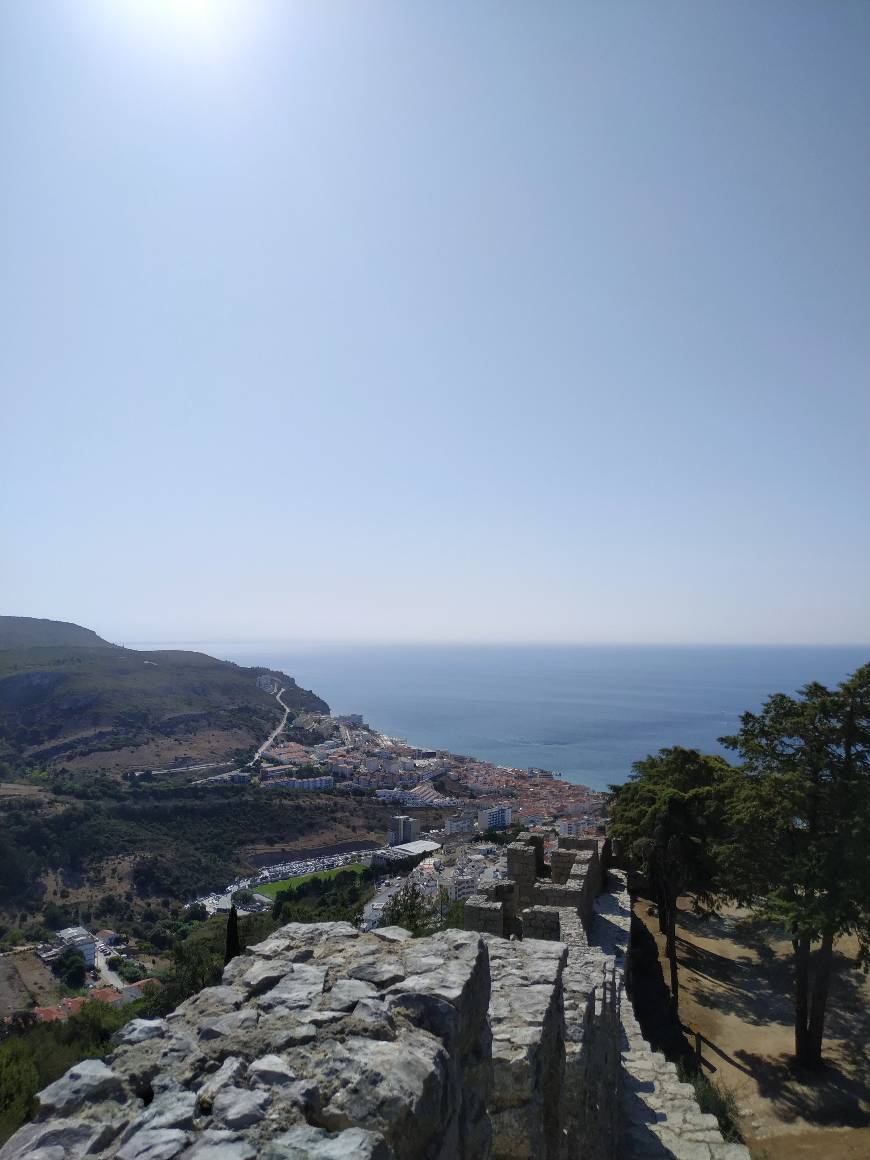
(715, 1099)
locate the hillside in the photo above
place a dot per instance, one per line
(100, 708)
(31, 632)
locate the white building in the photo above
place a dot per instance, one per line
(421, 846)
(82, 940)
(266, 683)
(574, 829)
(460, 887)
(497, 818)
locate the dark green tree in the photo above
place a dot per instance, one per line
(233, 944)
(411, 909)
(70, 968)
(800, 816)
(668, 817)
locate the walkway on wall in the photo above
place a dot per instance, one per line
(661, 1118)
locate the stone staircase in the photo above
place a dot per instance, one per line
(660, 1116)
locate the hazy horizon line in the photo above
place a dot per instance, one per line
(325, 642)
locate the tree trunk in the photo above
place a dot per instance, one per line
(818, 1000)
(801, 995)
(661, 907)
(671, 951)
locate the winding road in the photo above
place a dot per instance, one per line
(274, 732)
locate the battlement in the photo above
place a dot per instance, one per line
(325, 1043)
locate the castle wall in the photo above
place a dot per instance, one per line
(322, 1042)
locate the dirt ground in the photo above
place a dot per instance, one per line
(207, 744)
(14, 996)
(17, 789)
(24, 977)
(736, 992)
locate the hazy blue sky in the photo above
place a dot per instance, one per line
(437, 320)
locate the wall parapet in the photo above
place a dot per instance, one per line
(325, 1043)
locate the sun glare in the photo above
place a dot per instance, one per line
(209, 28)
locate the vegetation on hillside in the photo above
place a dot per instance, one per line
(335, 897)
(33, 1056)
(61, 701)
(33, 632)
(182, 841)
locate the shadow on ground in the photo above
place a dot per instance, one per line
(830, 1097)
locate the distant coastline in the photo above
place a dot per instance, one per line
(586, 712)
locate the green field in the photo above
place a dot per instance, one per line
(272, 888)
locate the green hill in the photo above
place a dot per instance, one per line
(95, 707)
(31, 632)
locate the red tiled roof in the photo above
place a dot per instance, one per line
(50, 1014)
(105, 995)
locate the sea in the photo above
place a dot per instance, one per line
(586, 712)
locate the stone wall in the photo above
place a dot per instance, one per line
(328, 1044)
(618, 1100)
(319, 1043)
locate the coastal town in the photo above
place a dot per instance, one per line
(343, 755)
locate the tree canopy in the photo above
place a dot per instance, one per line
(800, 822)
(668, 816)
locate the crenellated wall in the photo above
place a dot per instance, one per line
(323, 1043)
(619, 1100)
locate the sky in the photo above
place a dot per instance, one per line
(414, 321)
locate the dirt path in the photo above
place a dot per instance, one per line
(736, 992)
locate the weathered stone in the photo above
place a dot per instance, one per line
(269, 1070)
(140, 1030)
(229, 1024)
(307, 1143)
(228, 1074)
(264, 975)
(218, 1144)
(157, 1144)
(370, 1017)
(378, 970)
(72, 1137)
(171, 1109)
(86, 1082)
(298, 990)
(392, 934)
(238, 1107)
(347, 993)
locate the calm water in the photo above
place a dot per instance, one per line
(588, 712)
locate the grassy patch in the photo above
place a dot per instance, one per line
(271, 889)
(714, 1099)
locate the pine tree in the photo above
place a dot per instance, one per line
(233, 945)
(800, 823)
(668, 816)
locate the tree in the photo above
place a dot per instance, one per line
(233, 944)
(801, 819)
(668, 817)
(69, 966)
(410, 908)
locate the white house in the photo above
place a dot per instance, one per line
(82, 940)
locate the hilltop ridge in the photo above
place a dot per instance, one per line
(37, 632)
(70, 700)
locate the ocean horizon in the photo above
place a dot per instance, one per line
(586, 712)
